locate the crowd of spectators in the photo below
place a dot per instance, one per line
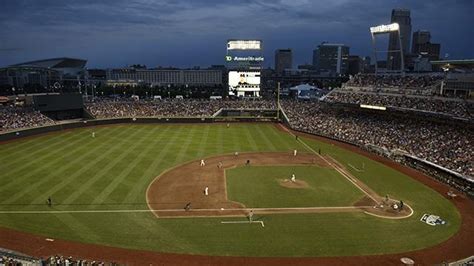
(394, 81)
(445, 145)
(70, 261)
(115, 108)
(8, 261)
(14, 117)
(457, 108)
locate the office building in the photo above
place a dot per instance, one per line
(283, 60)
(331, 58)
(402, 17)
(423, 47)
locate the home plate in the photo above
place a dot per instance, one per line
(243, 222)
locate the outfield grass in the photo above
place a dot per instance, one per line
(113, 170)
(259, 187)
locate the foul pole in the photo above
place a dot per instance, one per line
(278, 101)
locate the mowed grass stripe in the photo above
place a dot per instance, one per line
(203, 141)
(25, 145)
(77, 225)
(163, 234)
(112, 186)
(182, 153)
(278, 137)
(45, 163)
(269, 145)
(32, 158)
(164, 156)
(27, 157)
(103, 168)
(219, 146)
(250, 139)
(59, 138)
(58, 174)
(235, 140)
(83, 170)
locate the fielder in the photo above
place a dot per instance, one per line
(203, 163)
(206, 191)
(250, 216)
(188, 206)
(294, 152)
(293, 178)
(93, 134)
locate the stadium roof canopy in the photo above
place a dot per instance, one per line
(62, 62)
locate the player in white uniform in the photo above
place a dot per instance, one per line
(294, 152)
(206, 191)
(203, 163)
(93, 134)
(293, 178)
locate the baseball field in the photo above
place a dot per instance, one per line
(127, 187)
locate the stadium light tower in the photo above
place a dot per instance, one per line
(386, 29)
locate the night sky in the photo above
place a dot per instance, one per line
(116, 33)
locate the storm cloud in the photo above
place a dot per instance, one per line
(116, 33)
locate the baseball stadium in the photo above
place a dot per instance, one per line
(342, 162)
(233, 181)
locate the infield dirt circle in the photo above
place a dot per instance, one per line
(185, 185)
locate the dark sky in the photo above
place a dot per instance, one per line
(116, 33)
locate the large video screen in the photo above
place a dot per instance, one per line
(243, 81)
(239, 78)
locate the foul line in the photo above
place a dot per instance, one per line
(341, 171)
(243, 222)
(182, 210)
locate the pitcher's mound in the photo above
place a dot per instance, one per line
(289, 184)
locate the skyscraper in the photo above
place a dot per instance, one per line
(330, 57)
(422, 45)
(283, 60)
(402, 17)
(419, 37)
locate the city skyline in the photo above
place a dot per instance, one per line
(182, 34)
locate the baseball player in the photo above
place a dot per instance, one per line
(206, 191)
(203, 163)
(293, 178)
(188, 206)
(49, 201)
(294, 152)
(250, 216)
(93, 134)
